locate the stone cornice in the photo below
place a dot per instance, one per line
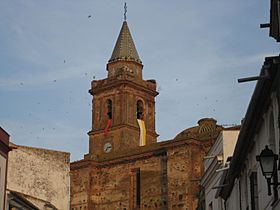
(80, 164)
(140, 153)
(108, 84)
(100, 131)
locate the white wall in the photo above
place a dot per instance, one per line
(242, 183)
(233, 202)
(40, 173)
(229, 142)
(3, 164)
(223, 146)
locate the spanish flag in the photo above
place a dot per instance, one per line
(142, 140)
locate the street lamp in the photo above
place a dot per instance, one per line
(268, 162)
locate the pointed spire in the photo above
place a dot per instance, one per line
(125, 48)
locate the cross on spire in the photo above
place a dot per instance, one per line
(125, 11)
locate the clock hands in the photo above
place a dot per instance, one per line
(108, 148)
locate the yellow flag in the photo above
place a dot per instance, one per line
(142, 140)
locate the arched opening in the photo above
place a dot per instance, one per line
(140, 110)
(109, 109)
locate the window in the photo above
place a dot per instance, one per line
(210, 206)
(140, 110)
(254, 191)
(138, 188)
(109, 108)
(135, 191)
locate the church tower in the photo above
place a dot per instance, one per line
(123, 104)
(120, 172)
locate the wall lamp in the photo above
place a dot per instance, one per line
(268, 162)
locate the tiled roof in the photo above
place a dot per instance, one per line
(125, 48)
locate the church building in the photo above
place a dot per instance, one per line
(126, 168)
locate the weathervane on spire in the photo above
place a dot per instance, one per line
(125, 11)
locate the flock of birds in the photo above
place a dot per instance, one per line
(89, 104)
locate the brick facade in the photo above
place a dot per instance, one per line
(169, 174)
(163, 175)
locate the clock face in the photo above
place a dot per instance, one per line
(107, 147)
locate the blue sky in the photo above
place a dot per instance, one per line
(196, 50)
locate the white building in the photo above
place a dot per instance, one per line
(38, 179)
(215, 162)
(245, 187)
(4, 149)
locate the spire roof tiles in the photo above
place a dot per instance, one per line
(125, 48)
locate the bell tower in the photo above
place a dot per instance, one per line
(122, 102)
